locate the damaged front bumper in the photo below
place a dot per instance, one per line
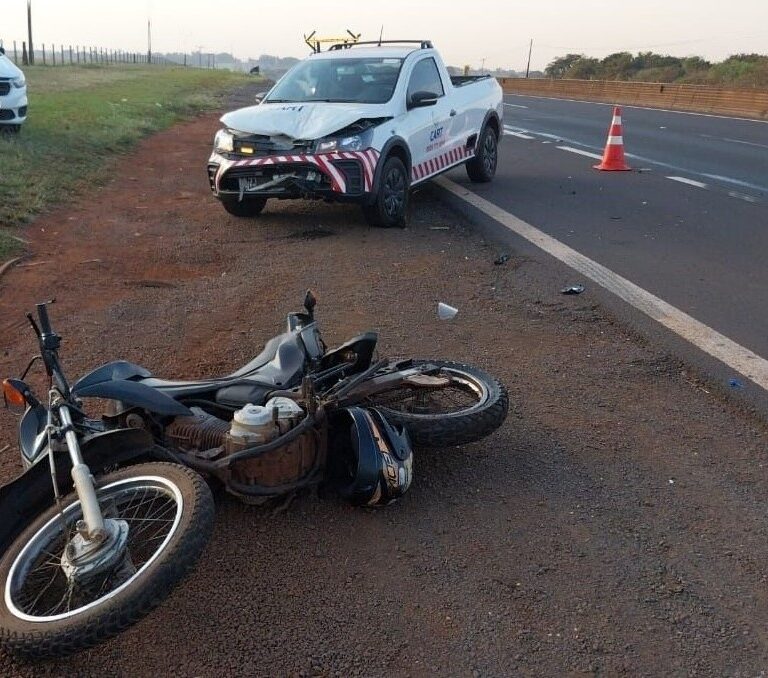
(343, 175)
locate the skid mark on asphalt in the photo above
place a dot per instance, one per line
(697, 333)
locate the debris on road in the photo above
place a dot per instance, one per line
(446, 312)
(439, 228)
(502, 259)
(573, 289)
(736, 383)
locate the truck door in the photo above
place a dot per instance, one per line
(429, 125)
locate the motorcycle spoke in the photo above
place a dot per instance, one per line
(45, 590)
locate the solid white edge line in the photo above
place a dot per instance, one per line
(697, 333)
(515, 105)
(578, 151)
(689, 182)
(647, 108)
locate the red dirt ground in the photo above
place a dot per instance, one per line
(615, 525)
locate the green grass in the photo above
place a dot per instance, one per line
(82, 116)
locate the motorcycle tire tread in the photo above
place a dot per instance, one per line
(454, 430)
(117, 615)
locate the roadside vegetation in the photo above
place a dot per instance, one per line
(80, 117)
(739, 70)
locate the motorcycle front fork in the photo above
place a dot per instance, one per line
(94, 529)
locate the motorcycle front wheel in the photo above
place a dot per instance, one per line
(461, 405)
(165, 515)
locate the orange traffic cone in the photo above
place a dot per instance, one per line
(613, 157)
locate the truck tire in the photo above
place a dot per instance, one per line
(391, 204)
(247, 207)
(482, 168)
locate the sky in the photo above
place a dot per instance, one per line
(492, 32)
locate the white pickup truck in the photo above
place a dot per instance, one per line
(363, 122)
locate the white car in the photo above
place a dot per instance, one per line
(13, 94)
(359, 123)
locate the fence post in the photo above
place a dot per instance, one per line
(53, 54)
(24, 55)
(44, 54)
(15, 54)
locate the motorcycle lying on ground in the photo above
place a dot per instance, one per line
(113, 511)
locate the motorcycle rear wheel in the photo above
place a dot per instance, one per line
(470, 407)
(44, 613)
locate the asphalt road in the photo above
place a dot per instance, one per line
(700, 245)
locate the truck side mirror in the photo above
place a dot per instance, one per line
(260, 96)
(421, 99)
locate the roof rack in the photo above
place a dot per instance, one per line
(423, 44)
(315, 43)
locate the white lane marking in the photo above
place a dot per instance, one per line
(520, 135)
(733, 141)
(690, 182)
(515, 105)
(742, 196)
(736, 182)
(697, 333)
(578, 151)
(648, 108)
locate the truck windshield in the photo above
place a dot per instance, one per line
(363, 81)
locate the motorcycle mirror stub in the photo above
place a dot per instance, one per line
(310, 301)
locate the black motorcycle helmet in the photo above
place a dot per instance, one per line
(370, 461)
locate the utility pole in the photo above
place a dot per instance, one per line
(482, 66)
(528, 67)
(29, 33)
(149, 41)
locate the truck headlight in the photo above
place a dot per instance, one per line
(19, 82)
(353, 142)
(224, 141)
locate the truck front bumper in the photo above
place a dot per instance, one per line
(343, 175)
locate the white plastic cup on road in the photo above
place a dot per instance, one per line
(445, 312)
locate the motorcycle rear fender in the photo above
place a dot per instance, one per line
(31, 493)
(135, 394)
(363, 346)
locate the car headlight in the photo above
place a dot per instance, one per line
(353, 142)
(224, 141)
(19, 82)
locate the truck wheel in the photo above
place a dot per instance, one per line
(247, 207)
(482, 168)
(389, 209)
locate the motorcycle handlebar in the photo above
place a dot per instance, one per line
(45, 322)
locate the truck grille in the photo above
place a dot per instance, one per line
(263, 145)
(7, 114)
(5, 87)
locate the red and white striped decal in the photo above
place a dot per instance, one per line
(367, 159)
(437, 164)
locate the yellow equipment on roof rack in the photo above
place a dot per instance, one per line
(315, 43)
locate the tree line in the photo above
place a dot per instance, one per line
(743, 70)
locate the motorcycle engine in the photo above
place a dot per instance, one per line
(270, 474)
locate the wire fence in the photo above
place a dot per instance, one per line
(52, 54)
